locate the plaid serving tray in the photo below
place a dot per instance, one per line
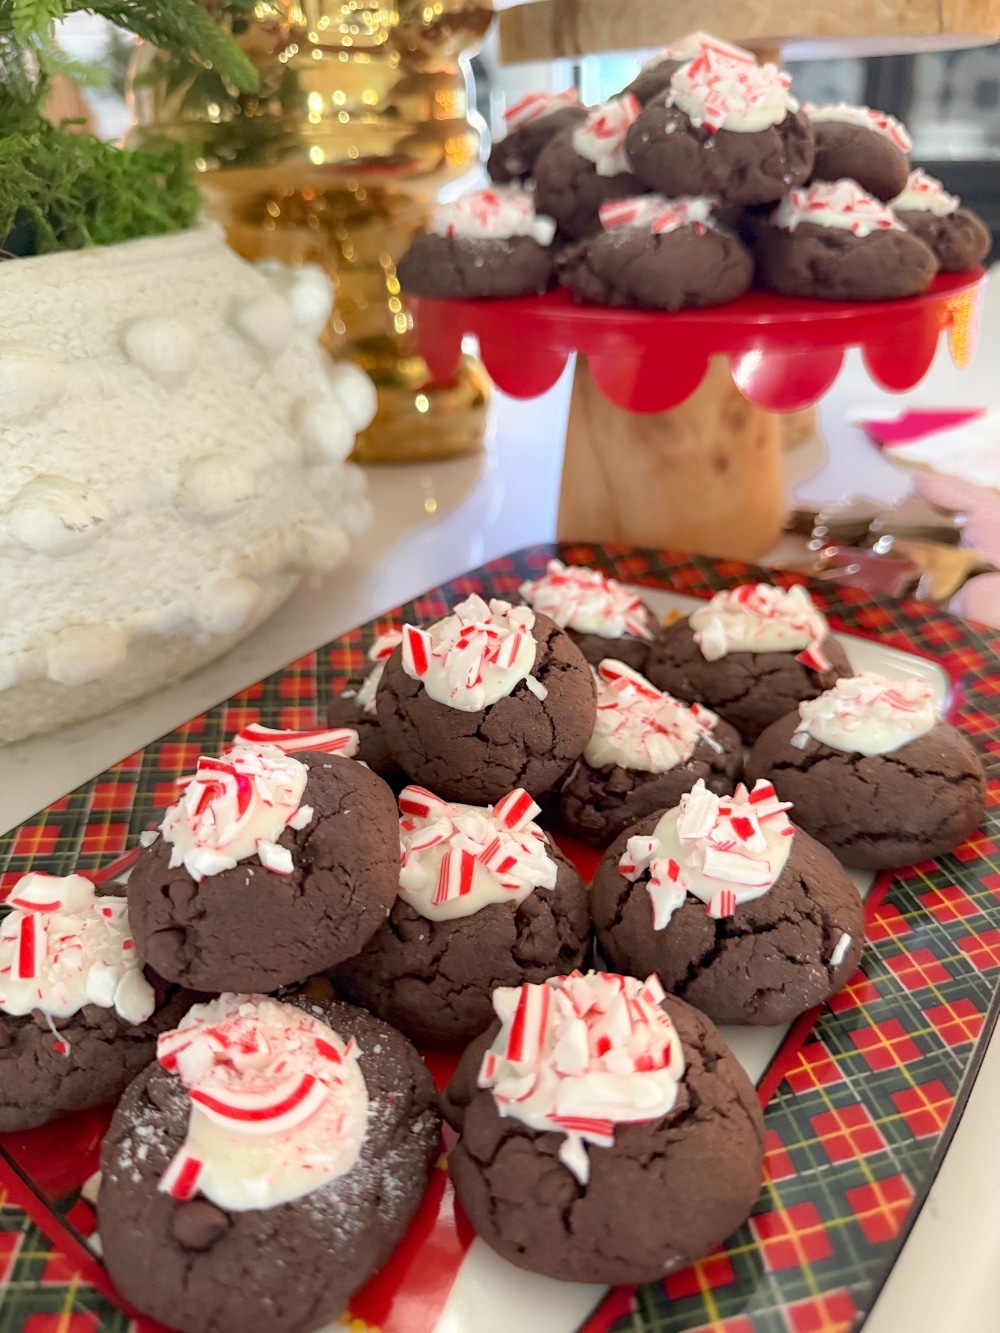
(861, 1099)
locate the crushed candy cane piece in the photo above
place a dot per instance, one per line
(601, 138)
(587, 601)
(279, 1105)
(62, 947)
(657, 215)
(725, 850)
(456, 859)
(335, 740)
(760, 618)
(864, 117)
(473, 657)
(495, 213)
(720, 92)
(581, 1054)
(842, 204)
(868, 714)
(639, 727)
(694, 44)
(533, 106)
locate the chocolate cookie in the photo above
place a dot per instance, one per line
(50, 1067)
(513, 157)
(766, 962)
(854, 152)
(834, 264)
(959, 241)
(201, 1268)
(664, 1194)
(521, 740)
(671, 155)
(253, 928)
(748, 690)
(471, 267)
(569, 189)
(882, 810)
(653, 80)
(688, 268)
(373, 748)
(597, 804)
(433, 979)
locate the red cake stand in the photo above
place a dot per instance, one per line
(669, 440)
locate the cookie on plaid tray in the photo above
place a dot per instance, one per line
(265, 1166)
(874, 773)
(607, 1133)
(737, 911)
(79, 1011)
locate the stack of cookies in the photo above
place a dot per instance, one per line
(701, 177)
(298, 921)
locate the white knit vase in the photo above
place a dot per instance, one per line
(173, 442)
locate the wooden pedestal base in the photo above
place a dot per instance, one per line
(705, 476)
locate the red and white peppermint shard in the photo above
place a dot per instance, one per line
(532, 106)
(180, 1180)
(423, 804)
(417, 649)
(335, 740)
(455, 875)
(516, 809)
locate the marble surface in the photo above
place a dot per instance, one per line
(438, 520)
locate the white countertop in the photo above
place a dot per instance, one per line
(438, 520)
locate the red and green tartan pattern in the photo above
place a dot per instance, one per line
(859, 1120)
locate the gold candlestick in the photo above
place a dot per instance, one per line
(360, 120)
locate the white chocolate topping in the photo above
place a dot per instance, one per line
(641, 728)
(694, 44)
(722, 93)
(456, 859)
(760, 618)
(62, 947)
(725, 850)
(601, 138)
(279, 1106)
(587, 601)
(878, 121)
(867, 714)
(926, 194)
(841, 204)
(493, 214)
(656, 214)
(475, 656)
(581, 1054)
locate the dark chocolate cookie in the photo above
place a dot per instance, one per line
(520, 741)
(596, 804)
(468, 267)
(749, 690)
(853, 152)
(665, 1194)
(877, 811)
(628, 649)
(433, 979)
(652, 81)
(250, 929)
(673, 156)
(568, 188)
(959, 240)
(291, 1268)
(832, 264)
(90, 1058)
(677, 270)
(767, 963)
(513, 157)
(373, 748)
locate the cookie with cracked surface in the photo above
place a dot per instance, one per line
(252, 929)
(433, 979)
(521, 740)
(766, 963)
(569, 188)
(685, 269)
(201, 1268)
(597, 804)
(675, 157)
(959, 240)
(665, 1194)
(877, 811)
(513, 157)
(846, 151)
(373, 748)
(89, 1059)
(833, 264)
(471, 267)
(748, 690)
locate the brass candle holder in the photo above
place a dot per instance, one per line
(361, 119)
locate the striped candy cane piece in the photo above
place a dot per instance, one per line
(333, 740)
(417, 649)
(722, 904)
(423, 804)
(180, 1180)
(527, 1031)
(455, 875)
(270, 1112)
(29, 956)
(516, 809)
